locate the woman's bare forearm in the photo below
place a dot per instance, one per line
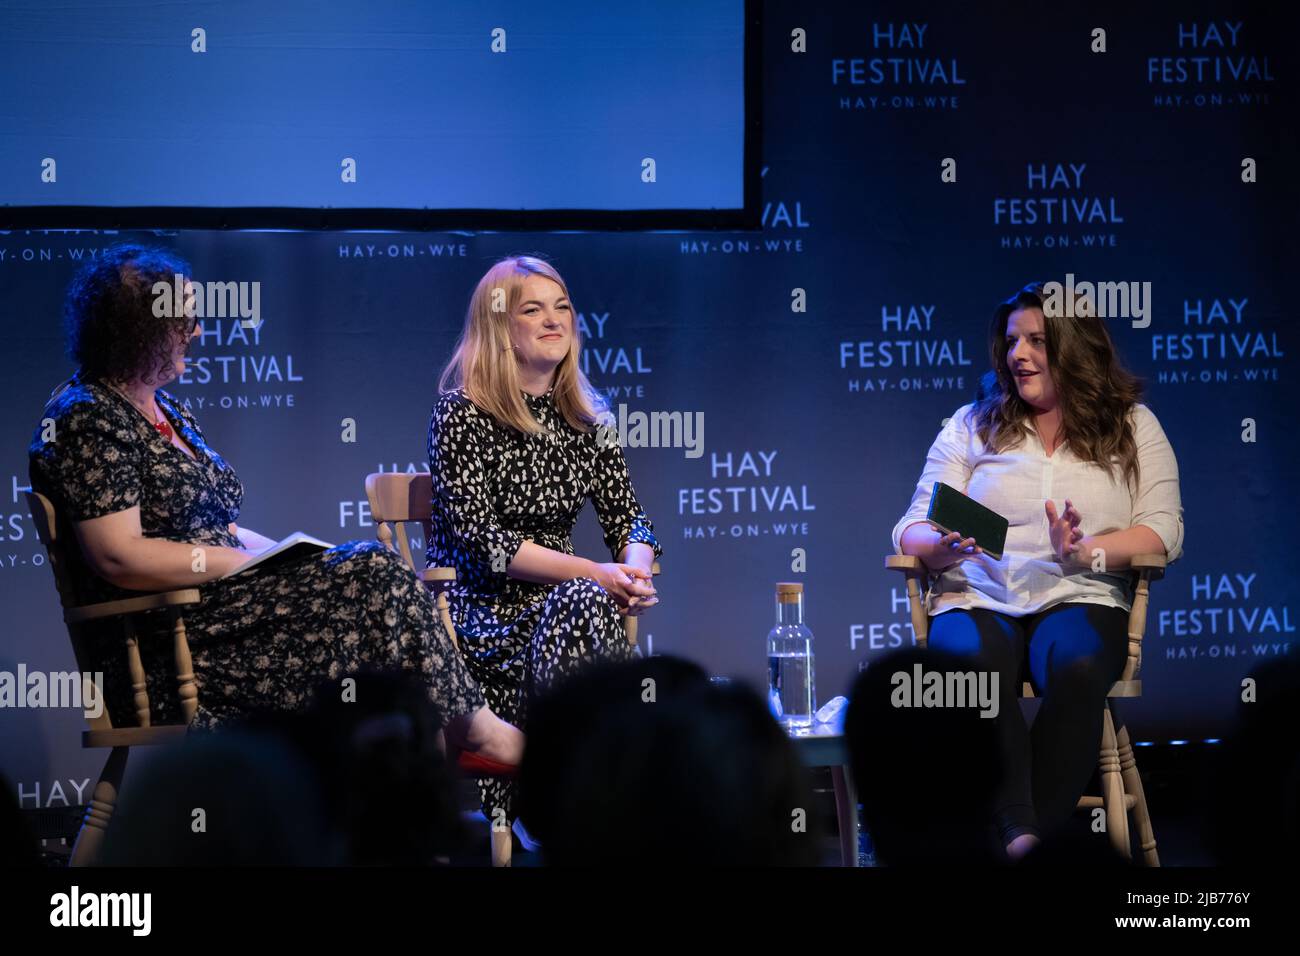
(638, 555)
(532, 562)
(151, 564)
(1116, 550)
(922, 541)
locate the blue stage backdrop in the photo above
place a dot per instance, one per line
(823, 352)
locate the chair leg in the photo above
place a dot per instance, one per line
(1133, 786)
(502, 846)
(1112, 787)
(846, 815)
(103, 800)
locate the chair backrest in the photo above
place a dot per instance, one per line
(396, 499)
(48, 533)
(51, 534)
(85, 622)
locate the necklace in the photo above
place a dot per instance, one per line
(162, 426)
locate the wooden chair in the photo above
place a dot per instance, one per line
(398, 499)
(1121, 785)
(57, 538)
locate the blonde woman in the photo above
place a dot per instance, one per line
(514, 453)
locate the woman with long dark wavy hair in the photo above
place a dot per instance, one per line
(1057, 419)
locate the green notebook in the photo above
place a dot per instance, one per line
(950, 510)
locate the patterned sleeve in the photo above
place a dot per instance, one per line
(1158, 502)
(459, 444)
(621, 516)
(90, 466)
(947, 461)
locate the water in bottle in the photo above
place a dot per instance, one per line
(791, 687)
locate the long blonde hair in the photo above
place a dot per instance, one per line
(484, 364)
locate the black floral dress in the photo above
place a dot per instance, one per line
(264, 639)
(495, 487)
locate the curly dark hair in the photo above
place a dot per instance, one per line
(1096, 391)
(113, 333)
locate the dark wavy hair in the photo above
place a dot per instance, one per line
(1096, 391)
(112, 331)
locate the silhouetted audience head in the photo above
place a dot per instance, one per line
(926, 775)
(220, 799)
(646, 762)
(357, 778)
(374, 743)
(1255, 781)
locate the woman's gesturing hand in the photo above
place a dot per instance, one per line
(1064, 529)
(953, 548)
(631, 587)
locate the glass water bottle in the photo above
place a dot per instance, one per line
(790, 682)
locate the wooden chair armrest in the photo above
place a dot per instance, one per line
(146, 602)
(911, 563)
(1146, 568)
(916, 572)
(907, 563)
(1152, 565)
(447, 575)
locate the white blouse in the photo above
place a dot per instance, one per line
(1016, 484)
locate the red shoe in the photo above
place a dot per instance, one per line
(479, 766)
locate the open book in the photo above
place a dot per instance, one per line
(297, 545)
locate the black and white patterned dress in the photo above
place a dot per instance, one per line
(495, 487)
(260, 640)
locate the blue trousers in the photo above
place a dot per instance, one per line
(1075, 651)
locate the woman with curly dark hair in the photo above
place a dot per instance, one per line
(153, 507)
(1058, 417)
